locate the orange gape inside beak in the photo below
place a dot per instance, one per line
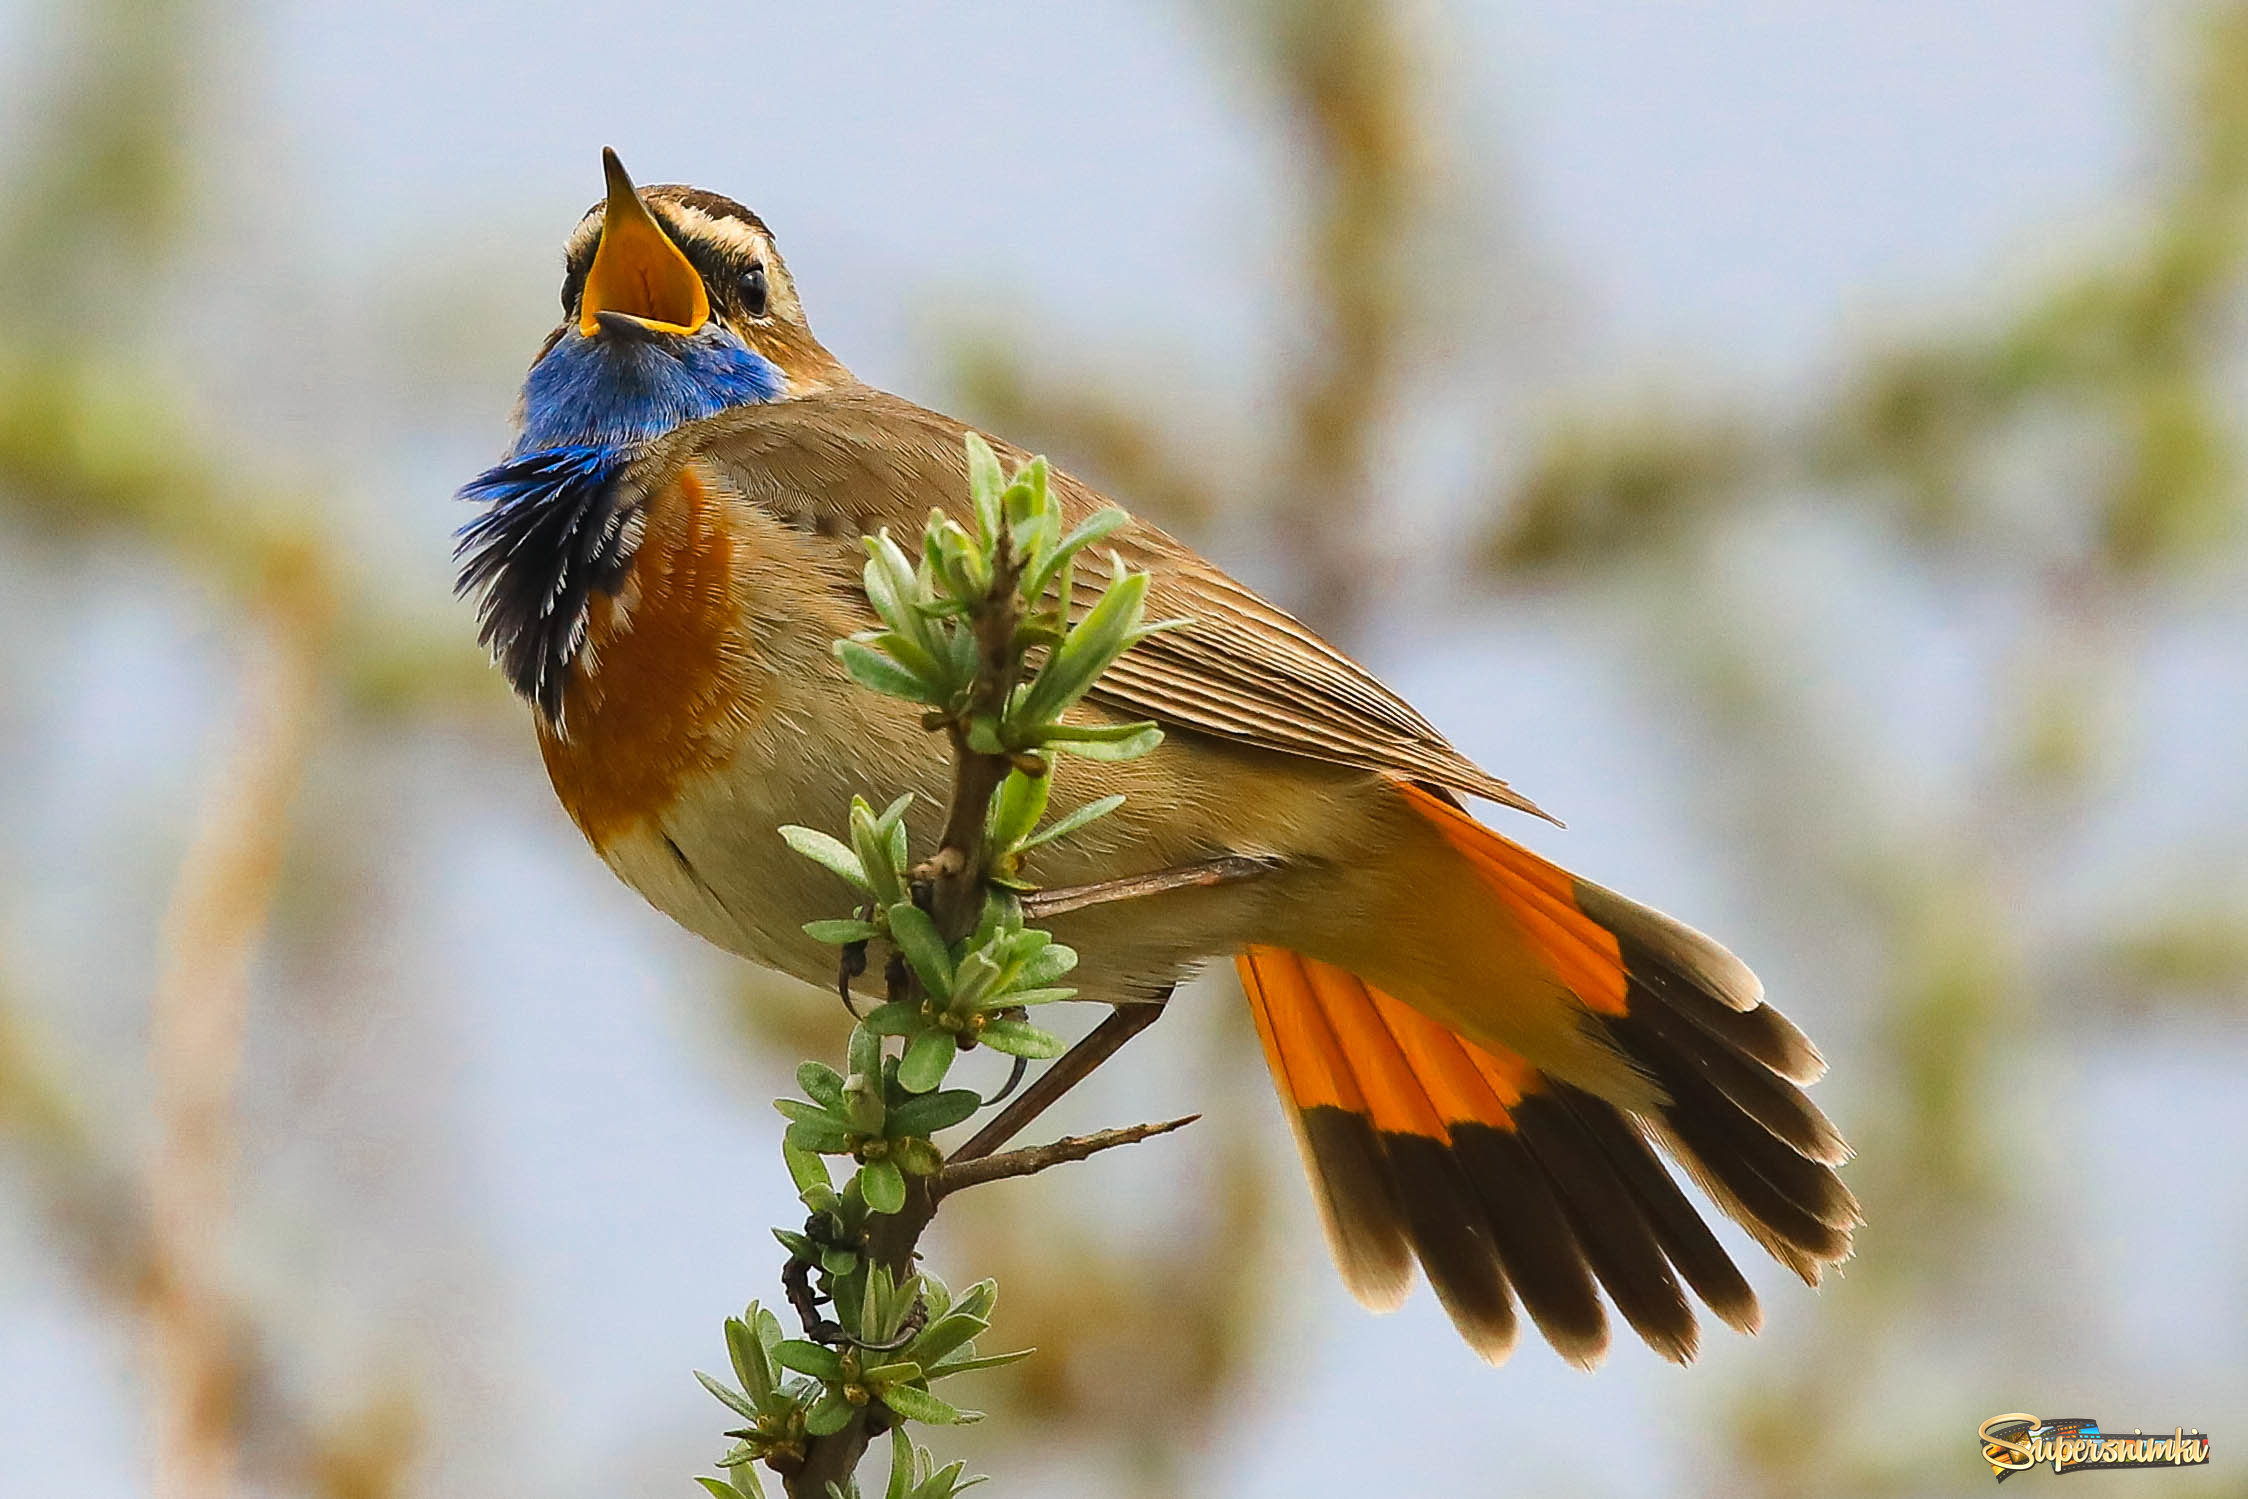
(637, 269)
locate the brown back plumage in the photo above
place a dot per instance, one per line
(854, 460)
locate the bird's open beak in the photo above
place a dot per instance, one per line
(637, 269)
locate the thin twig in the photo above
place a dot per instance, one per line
(1070, 1069)
(1040, 904)
(958, 1175)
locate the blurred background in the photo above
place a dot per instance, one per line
(1798, 445)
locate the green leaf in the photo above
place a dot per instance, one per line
(893, 587)
(986, 483)
(1143, 740)
(898, 1373)
(751, 1366)
(988, 1361)
(821, 1083)
(1092, 529)
(919, 1405)
(897, 1017)
(878, 1306)
(916, 1157)
(743, 1486)
(836, 933)
(1089, 649)
(806, 1357)
(893, 816)
(839, 1261)
(947, 1482)
(1047, 964)
(865, 1051)
(931, 1112)
(1018, 1039)
(945, 1334)
(863, 1108)
(1017, 806)
(822, 1136)
(927, 1058)
(1089, 733)
(831, 854)
(1041, 996)
(905, 1467)
(798, 1247)
(1001, 916)
(828, 1415)
(733, 1401)
(806, 1169)
(888, 576)
(975, 977)
(766, 1326)
(878, 672)
(916, 936)
(883, 1185)
(873, 850)
(1069, 822)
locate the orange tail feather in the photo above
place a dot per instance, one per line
(1506, 1182)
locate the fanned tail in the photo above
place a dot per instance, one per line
(1510, 1185)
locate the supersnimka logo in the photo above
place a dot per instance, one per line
(2016, 1442)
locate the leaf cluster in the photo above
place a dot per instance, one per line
(875, 1115)
(908, 1334)
(928, 650)
(968, 992)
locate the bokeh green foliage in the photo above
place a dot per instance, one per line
(2075, 444)
(2071, 437)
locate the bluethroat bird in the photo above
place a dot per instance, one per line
(1481, 1054)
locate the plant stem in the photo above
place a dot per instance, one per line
(1071, 1068)
(896, 1238)
(957, 873)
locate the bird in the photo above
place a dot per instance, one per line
(1485, 1060)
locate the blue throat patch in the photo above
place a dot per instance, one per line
(555, 530)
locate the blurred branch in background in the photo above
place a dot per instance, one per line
(197, 1020)
(2080, 451)
(95, 443)
(1344, 78)
(1348, 73)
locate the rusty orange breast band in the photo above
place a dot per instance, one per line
(651, 696)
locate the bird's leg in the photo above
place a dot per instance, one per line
(796, 1280)
(848, 967)
(1070, 1069)
(910, 1328)
(1040, 904)
(1007, 1089)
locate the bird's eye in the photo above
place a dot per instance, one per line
(754, 292)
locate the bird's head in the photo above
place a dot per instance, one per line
(676, 305)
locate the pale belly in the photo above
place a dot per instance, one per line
(714, 861)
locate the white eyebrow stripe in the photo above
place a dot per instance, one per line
(730, 233)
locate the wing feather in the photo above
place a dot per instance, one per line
(854, 460)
